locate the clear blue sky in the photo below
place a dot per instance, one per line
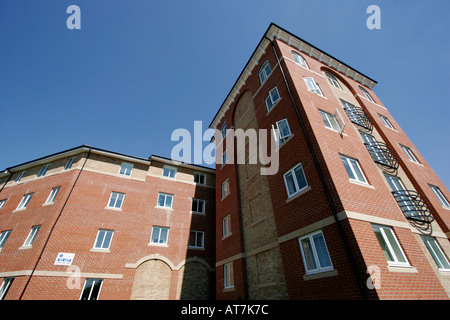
(138, 69)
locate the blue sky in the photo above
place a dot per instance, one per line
(139, 69)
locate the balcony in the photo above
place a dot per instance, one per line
(358, 116)
(381, 154)
(413, 206)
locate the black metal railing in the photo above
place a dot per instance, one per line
(413, 206)
(358, 116)
(381, 153)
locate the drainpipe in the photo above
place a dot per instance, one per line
(324, 185)
(54, 224)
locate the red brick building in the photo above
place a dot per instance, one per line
(352, 198)
(87, 223)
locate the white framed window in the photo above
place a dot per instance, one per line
(3, 237)
(313, 86)
(295, 180)
(25, 200)
(334, 82)
(91, 289)
(19, 176)
(409, 153)
(200, 177)
(52, 195)
(103, 240)
(353, 169)
(116, 200)
(225, 188)
(224, 158)
(315, 253)
(31, 236)
(272, 98)
(386, 122)
(43, 170)
(228, 275)
(5, 287)
(390, 246)
(437, 253)
(298, 58)
(264, 72)
(69, 163)
(198, 206)
(226, 226)
(366, 94)
(437, 192)
(126, 168)
(169, 171)
(223, 130)
(165, 200)
(160, 235)
(2, 203)
(283, 132)
(333, 121)
(196, 239)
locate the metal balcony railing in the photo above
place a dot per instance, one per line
(381, 153)
(413, 206)
(358, 116)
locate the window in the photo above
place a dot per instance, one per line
(224, 158)
(438, 194)
(353, 113)
(125, 169)
(3, 237)
(386, 122)
(334, 82)
(366, 94)
(52, 195)
(313, 86)
(91, 289)
(165, 200)
(437, 253)
(374, 148)
(315, 253)
(159, 235)
(226, 226)
(169, 171)
(223, 130)
(116, 200)
(198, 206)
(353, 169)
(196, 239)
(199, 177)
(331, 121)
(225, 188)
(390, 246)
(272, 98)
(283, 132)
(2, 203)
(19, 176)
(409, 154)
(5, 287)
(43, 171)
(403, 197)
(24, 202)
(264, 72)
(299, 59)
(295, 180)
(69, 163)
(103, 240)
(31, 236)
(228, 277)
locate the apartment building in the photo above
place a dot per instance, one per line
(354, 210)
(89, 224)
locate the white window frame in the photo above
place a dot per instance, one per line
(2, 203)
(438, 193)
(281, 137)
(5, 287)
(126, 168)
(350, 162)
(272, 99)
(299, 59)
(224, 158)
(166, 196)
(295, 180)
(158, 229)
(331, 121)
(396, 261)
(69, 163)
(228, 275)
(226, 226)
(94, 282)
(366, 94)
(410, 154)
(313, 86)
(264, 72)
(19, 176)
(196, 203)
(223, 130)
(200, 176)
(52, 195)
(225, 188)
(104, 233)
(43, 170)
(31, 236)
(436, 252)
(3, 237)
(118, 195)
(319, 268)
(24, 202)
(387, 123)
(169, 172)
(334, 82)
(199, 243)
